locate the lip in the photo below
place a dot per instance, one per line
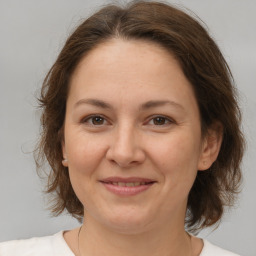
(127, 190)
(126, 180)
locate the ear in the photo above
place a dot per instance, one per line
(63, 147)
(64, 154)
(211, 146)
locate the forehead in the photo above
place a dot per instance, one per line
(130, 67)
(127, 55)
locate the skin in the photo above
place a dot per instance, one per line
(127, 140)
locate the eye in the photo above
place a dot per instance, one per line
(96, 120)
(160, 121)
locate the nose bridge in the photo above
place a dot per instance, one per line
(125, 138)
(125, 148)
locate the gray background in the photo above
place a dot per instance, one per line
(32, 33)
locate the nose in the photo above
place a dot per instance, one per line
(125, 148)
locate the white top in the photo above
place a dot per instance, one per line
(55, 245)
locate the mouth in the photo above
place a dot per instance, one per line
(127, 186)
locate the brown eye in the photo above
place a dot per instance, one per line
(160, 120)
(97, 120)
(94, 120)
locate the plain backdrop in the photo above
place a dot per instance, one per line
(31, 36)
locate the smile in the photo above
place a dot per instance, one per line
(127, 186)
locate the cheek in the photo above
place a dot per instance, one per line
(176, 158)
(84, 157)
(84, 154)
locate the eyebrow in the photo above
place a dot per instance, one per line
(159, 103)
(144, 106)
(94, 102)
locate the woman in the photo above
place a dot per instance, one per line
(140, 126)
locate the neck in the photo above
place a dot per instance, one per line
(167, 240)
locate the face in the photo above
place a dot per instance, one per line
(132, 136)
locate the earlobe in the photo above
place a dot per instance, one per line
(211, 146)
(65, 162)
(65, 159)
(63, 147)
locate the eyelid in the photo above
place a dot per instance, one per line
(169, 119)
(85, 119)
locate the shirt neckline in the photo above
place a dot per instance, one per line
(67, 249)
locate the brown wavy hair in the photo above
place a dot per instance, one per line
(204, 66)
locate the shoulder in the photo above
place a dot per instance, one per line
(54, 245)
(213, 250)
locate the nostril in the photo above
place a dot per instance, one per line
(125, 155)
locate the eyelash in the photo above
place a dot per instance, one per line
(86, 120)
(166, 120)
